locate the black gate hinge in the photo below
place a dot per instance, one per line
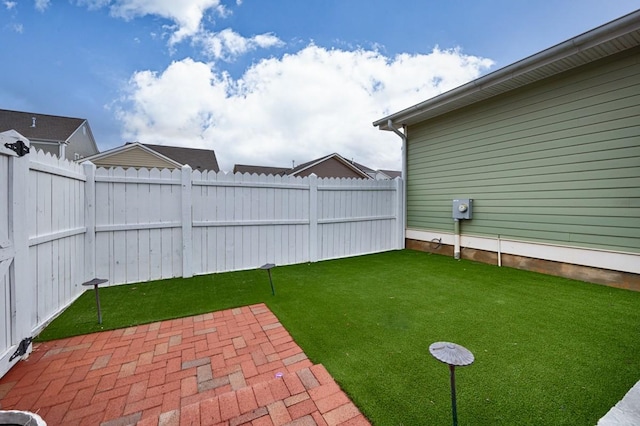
(18, 147)
(23, 346)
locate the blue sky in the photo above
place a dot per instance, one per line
(266, 82)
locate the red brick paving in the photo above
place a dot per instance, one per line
(232, 368)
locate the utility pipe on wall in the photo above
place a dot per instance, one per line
(456, 239)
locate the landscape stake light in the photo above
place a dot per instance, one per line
(95, 283)
(267, 267)
(454, 356)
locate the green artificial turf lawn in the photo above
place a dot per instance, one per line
(548, 351)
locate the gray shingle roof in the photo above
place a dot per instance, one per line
(197, 159)
(281, 171)
(392, 173)
(47, 127)
(260, 170)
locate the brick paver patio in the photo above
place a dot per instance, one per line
(233, 367)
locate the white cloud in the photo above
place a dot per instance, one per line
(228, 45)
(180, 101)
(19, 28)
(42, 5)
(186, 23)
(298, 107)
(10, 4)
(186, 14)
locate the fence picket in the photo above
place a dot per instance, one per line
(119, 202)
(155, 235)
(131, 210)
(143, 205)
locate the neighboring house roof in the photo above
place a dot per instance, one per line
(608, 39)
(321, 167)
(198, 159)
(46, 128)
(302, 168)
(367, 170)
(391, 174)
(39, 126)
(138, 155)
(332, 165)
(260, 170)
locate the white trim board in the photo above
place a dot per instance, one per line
(605, 259)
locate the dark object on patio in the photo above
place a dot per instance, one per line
(267, 267)
(20, 418)
(453, 355)
(95, 283)
(23, 347)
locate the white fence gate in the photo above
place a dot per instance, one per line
(15, 306)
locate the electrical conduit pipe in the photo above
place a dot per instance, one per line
(456, 239)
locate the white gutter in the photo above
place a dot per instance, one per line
(555, 54)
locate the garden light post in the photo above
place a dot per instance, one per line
(95, 283)
(454, 356)
(267, 267)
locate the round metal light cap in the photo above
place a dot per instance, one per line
(451, 353)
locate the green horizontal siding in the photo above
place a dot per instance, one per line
(558, 161)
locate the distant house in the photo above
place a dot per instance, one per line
(388, 174)
(261, 170)
(139, 155)
(548, 149)
(379, 174)
(329, 166)
(66, 137)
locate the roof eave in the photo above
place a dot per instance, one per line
(623, 33)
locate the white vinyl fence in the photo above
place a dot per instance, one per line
(55, 218)
(152, 224)
(127, 226)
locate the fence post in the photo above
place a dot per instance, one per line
(313, 217)
(400, 212)
(19, 231)
(187, 223)
(89, 220)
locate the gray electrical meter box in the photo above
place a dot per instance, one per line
(462, 208)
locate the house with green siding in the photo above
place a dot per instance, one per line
(545, 154)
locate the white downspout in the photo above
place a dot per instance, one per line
(62, 150)
(404, 173)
